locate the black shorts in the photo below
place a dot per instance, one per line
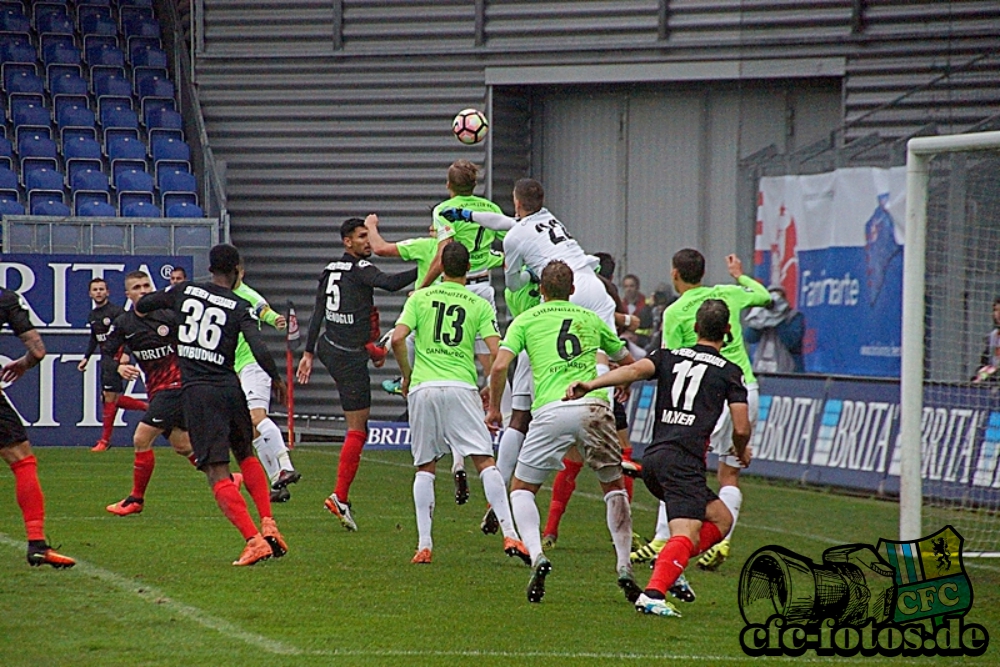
(218, 421)
(11, 429)
(621, 419)
(349, 369)
(675, 473)
(110, 380)
(166, 411)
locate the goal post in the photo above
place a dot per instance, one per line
(914, 365)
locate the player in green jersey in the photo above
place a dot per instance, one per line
(562, 340)
(268, 441)
(444, 403)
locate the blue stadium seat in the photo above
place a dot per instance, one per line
(86, 205)
(43, 179)
(6, 152)
(142, 74)
(176, 186)
(8, 183)
(36, 150)
(138, 23)
(185, 210)
(136, 44)
(53, 23)
(117, 121)
(164, 122)
(147, 55)
(103, 53)
(31, 119)
(49, 206)
(9, 206)
(24, 82)
(92, 183)
(95, 20)
(133, 186)
(12, 20)
(141, 209)
(111, 82)
(75, 121)
(126, 153)
(81, 153)
(16, 48)
(60, 58)
(151, 240)
(169, 151)
(67, 83)
(155, 88)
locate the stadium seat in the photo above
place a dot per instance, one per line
(185, 210)
(164, 122)
(36, 150)
(74, 121)
(6, 152)
(89, 181)
(147, 55)
(176, 186)
(12, 20)
(16, 47)
(168, 151)
(137, 44)
(155, 88)
(81, 153)
(126, 153)
(22, 81)
(8, 183)
(93, 207)
(103, 53)
(132, 186)
(119, 121)
(109, 240)
(49, 206)
(142, 74)
(43, 183)
(151, 240)
(9, 206)
(141, 209)
(67, 83)
(137, 22)
(53, 22)
(111, 87)
(31, 119)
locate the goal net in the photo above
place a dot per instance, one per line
(950, 417)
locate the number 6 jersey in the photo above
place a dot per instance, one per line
(210, 320)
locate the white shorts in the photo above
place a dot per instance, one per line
(587, 423)
(589, 292)
(257, 386)
(485, 290)
(446, 418)
(523, 384)
(721, 443)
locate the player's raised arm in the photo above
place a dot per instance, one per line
(390, 282)
(380, 246)
(164, 298)
(495, 221)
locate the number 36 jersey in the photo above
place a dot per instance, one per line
(694, 384)
(562, 340)
(210, 320)
(446, 318)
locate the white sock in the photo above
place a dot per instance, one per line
(507, 453)
(662, 524)
(522, 505)
(496, 496)
(423, 502)
(270, 446)
(732, 497)
(457, 461)
(267, 458)
(620, 524)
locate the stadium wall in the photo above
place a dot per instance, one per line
(323, 110)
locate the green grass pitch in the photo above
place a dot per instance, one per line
(158, 588)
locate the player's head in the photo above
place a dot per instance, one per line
(354, 234)
(178, 275)
(529, 196)
(688, 267)
(223, 263)
(98, 290)
(996, 311)
(557, 281)
(137, 285)
(455, 260)
(630, 285)
(606, 267)
(462, 176)
(712, 321)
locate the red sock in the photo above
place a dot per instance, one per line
(350, 459)
(108, 420)
(562, 488)
(29, 496)
(193, 458)
(234, 507)
(141, 472)
(129, 403)
(257, 485)
(708, 537)
(670, 563)
(629, 482)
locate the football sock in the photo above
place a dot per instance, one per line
(142, 470)
(129, 403)
(662, 524)
(562, 489)
(507, 451)
(629, 482)
(457, 462)
(496, 496)
(733, 499)
(29, 496)
(423, 502)
(670, 563)
(108, 421)
(619, 524)
(257, 486)
(708, 537)
(228, 497)
(525, 512)
(350, 459)
(270, 445)
(193, 458)
(270, 464)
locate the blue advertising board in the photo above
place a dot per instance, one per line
(59, 404)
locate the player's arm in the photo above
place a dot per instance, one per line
(380, 246)
(515, 276)
(304, 369)
(34, 348)
(623, 375)
(740, 414)
(498, 222)
(757, 292)
(672, 337)
(436, 269)
(398, 342)
(114, 342)
(390, 282)
(91, 347)
(498, 378)
(254, 339)
(164, 298)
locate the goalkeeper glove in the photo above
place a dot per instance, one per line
(456, 214)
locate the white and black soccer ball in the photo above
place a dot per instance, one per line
(470, 126)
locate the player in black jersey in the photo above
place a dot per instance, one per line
(693, 387)
(15, 449)
(151, 342)
(344, 303)
(99, 321)
(211, 318)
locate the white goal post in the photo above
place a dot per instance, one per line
(920, 152)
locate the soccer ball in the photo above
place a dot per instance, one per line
(470, 126)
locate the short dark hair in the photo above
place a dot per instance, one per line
(97, 280)
(606, 269)
(690, 264)
(530, 193)
(136, 275)
(348, 226)
(996, 301)
(455, 259)
(223, 259)
(462, 176)
(711, 320)
(631, 276)
(557, 280)
(184, 273)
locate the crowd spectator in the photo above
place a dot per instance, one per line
(635, 306)
(989, 361)
(778, 331)
(662, 297)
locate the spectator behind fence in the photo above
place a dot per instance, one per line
(989, 362)
(662, 297)
(635, 306)
(778, 331)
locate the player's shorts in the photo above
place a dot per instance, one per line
(621, 418)
(256, 385)
(589, 292)
(110, 380)
(675, 473)
(443, 418)
(522, 387)
(722, 437)
(218, 421)
(586, 423)
(349, 369)
(166, 411)
(483, 288)
(11, 429)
